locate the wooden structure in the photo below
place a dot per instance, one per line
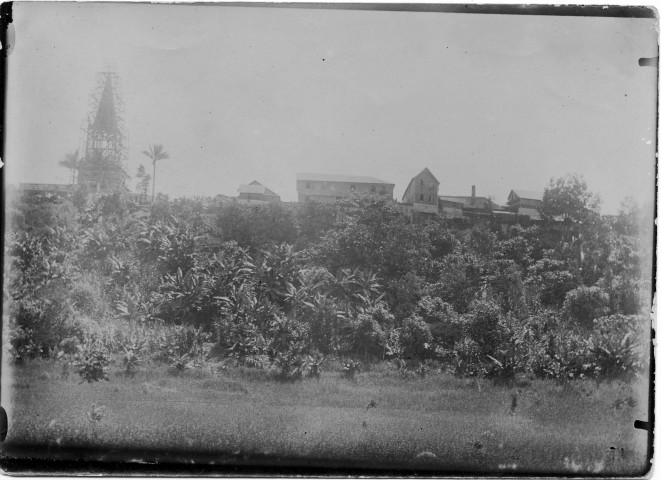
(255, 192)
(324, 188)
(422, 193)
(102, 167)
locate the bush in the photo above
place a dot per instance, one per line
(415, 338)
(41, 323)
(369, 338)
(466, 359)
(584, 304)
(619, 345)
(179, 340)
(350, 368)
(483, 324)
(445, 324)
(92, 361)
(288, 367)
(87, 297)
(514, 353)
(552, 278)
(568, 355)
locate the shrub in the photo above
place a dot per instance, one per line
(445, 324)
(415, 338)
(404, 294)
(459, 280)
(567, 355)
(178, 340)
(369, 339)
(350, 368)
(514, 353)
(584, 304)
(41, 323)
(619, 345)
(22, 344)
(179, 363)
(312, 366)
(130, 360)
(483, 325)
(131, 354)
(87, 297)
(552, 278)
(92, 361)
(288, 367)
(624, 293)
(466, 359)
(287, 336)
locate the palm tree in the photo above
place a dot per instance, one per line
(155, 153)
(71, 161)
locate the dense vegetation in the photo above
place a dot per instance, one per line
(284, 287)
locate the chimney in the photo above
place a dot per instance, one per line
(473, 195)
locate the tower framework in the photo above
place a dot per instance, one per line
(103, 165)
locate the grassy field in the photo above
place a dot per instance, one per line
(240, 416)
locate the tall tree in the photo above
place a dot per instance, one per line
(568, 197)
(71, 161)
(155, 153)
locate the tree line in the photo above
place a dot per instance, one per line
(281, 286)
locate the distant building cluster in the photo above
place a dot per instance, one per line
(101, 169)
(421, 196)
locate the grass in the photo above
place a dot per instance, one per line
(240, 416)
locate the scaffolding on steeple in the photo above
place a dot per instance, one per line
(103, 165)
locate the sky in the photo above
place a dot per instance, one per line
(237, 94)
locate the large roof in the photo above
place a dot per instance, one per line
(529, 194)
(267, 191)
(322, 177)
(413, 179)
(252, 189)
(429, 172)
(256, 187)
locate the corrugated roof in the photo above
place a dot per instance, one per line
(529, 194)
(322, 177)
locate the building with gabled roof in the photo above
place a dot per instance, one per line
(525, 202)
(319, 187)
(422, 192)
(255, 192)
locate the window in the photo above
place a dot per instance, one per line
(307, 198)
(307, 185)
(332, 187)
(422, 197)
(353, 188)
(421, 182)
(373, 189)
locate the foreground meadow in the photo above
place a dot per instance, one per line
(380, 420)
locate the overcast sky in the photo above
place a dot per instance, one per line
(237, 94)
